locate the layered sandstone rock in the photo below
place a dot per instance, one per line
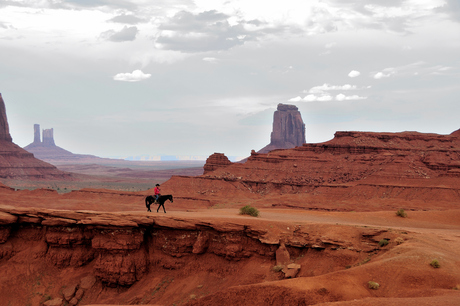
(288, 129)
(121, 248)
(17, 163)
(216, 160)
(420, 170)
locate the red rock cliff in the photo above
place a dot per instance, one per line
(4, 129)
(288, 129)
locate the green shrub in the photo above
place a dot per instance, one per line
(373, 285)
(435, 263)
(383, 242)
(249, 210)
(401, 213)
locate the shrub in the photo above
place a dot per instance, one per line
(249, 210)
(277, 268)
(383, 242)
(373, 285)
(435, 263)
(401, 213)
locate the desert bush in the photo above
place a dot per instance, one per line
(401, 213)
(373, 285)
(277, 268)
(435, 263)
(383, 242)
(249, 210)
(399, 240)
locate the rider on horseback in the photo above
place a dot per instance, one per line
(156, 193)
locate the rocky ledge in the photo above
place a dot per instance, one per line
(122, 247)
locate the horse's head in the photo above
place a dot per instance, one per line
(171, 199)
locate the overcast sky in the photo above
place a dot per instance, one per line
(178, 77)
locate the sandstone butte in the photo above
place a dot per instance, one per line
(327, 227)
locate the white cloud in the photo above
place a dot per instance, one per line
(296, 99)
(135, 76)
(326, 87)
(354, 74)
(342, 97)
(210, 59)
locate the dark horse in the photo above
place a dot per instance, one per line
(149, 200)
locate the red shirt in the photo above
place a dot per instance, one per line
(157, 190)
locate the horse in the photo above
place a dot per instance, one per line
(149, 200)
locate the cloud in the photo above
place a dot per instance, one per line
(342, 97)
(380, 75)
(326, 87)
(205, 31)
(135, 76)
(326, 98)
(210, 59)
(354, 74)
(321, 93)
(129, 19)
(125, 34)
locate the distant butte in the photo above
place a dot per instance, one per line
(17, 163)
(48, 151)
(288, 129)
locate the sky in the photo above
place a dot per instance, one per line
(190, 78)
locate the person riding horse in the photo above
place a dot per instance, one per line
(156, 193)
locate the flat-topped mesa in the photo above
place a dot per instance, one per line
(4, 128)
(216, 160)
(288, 129)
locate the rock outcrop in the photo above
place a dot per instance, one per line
(4, 128)
(420, 170)
(216, 160)
(288, 129)
(124, 249)
(17, 163)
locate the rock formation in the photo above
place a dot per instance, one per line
(216, 160)
(288, 129)
(48, 151)
(4, 129)
(420, 169)
(16, 163)
(37, 138)
(121, 250)
(48, 138)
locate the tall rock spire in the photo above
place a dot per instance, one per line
(288, 129)
(37, 133)
(4, 129)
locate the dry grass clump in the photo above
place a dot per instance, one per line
(435, 263)
(373, 285)
(249, 210)
(401, 213)
(278, 268)
(399, 240)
